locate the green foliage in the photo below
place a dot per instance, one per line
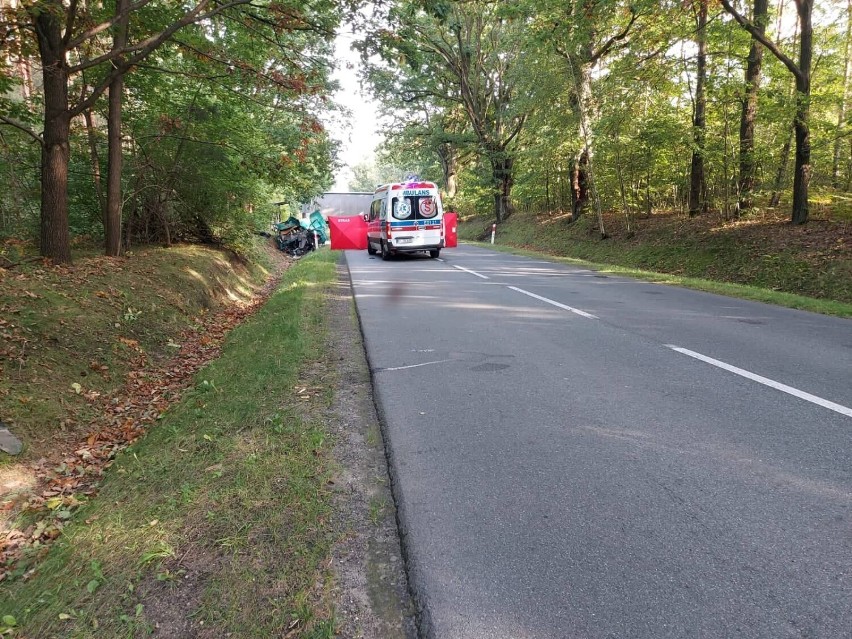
(641, 102)
(245, 137)
(449, 74)
(19, 159)
(220, 120)
(367, 175)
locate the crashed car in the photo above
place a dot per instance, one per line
(293, 239)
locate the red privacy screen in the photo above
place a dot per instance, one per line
(451, 237)
(348, 232)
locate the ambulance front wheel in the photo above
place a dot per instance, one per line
(434, 253)
(385, 251)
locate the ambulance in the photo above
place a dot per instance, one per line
(405, 217)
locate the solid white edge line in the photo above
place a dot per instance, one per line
(562, 306)
(467, 270)
(795, 392)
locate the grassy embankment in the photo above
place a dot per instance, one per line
(219, 510)
(91, 323)
(761, 258)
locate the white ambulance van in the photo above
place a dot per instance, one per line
(405, 217)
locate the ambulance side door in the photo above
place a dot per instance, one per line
(383, 217)
(373, 222)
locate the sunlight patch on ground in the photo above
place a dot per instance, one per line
(238, 294)
(762, 218)
(197, 276)
(298, 284)
(16, 483)
(556, 218)
(15, 480)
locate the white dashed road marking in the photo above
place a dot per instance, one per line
(557, 304)
(795, 392)
(467, 270)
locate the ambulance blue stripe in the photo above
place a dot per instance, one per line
(417, 223)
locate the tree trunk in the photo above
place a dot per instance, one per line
(802, 177)
(452, 184)
(96, 164)
(726, 185)
(26, 76)
(502, 170)
(848, 186)
(844, 99)
(587, 132)
(749, 110)
(782, 170)
(649, 206)
(625, 208)
(697, 188)
(56, 151)
(449, 166)
(128, 230)
(547, 189)
(114, 162)
(579, 186)
(114, 167)
(162, 214)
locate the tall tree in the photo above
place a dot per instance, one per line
(789, 121)
(470, 54)
(844, 100)
(483, 53)
(65, 28)
(583, 33)
(749, 108)
(802, 73)
(112, 222)
(697, 183)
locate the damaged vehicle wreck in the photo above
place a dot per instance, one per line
(293, 239)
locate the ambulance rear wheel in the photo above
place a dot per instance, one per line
(385, 252)
(370, 249)
(434, 253)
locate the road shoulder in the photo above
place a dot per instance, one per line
(370, 585)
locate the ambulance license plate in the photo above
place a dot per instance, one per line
(404, 240)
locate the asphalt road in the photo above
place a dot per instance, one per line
(579, 455)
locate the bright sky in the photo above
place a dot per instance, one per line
(357, 133)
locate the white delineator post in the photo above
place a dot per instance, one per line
(493, 232)
(316, 241)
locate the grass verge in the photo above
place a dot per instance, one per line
(219, 510)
